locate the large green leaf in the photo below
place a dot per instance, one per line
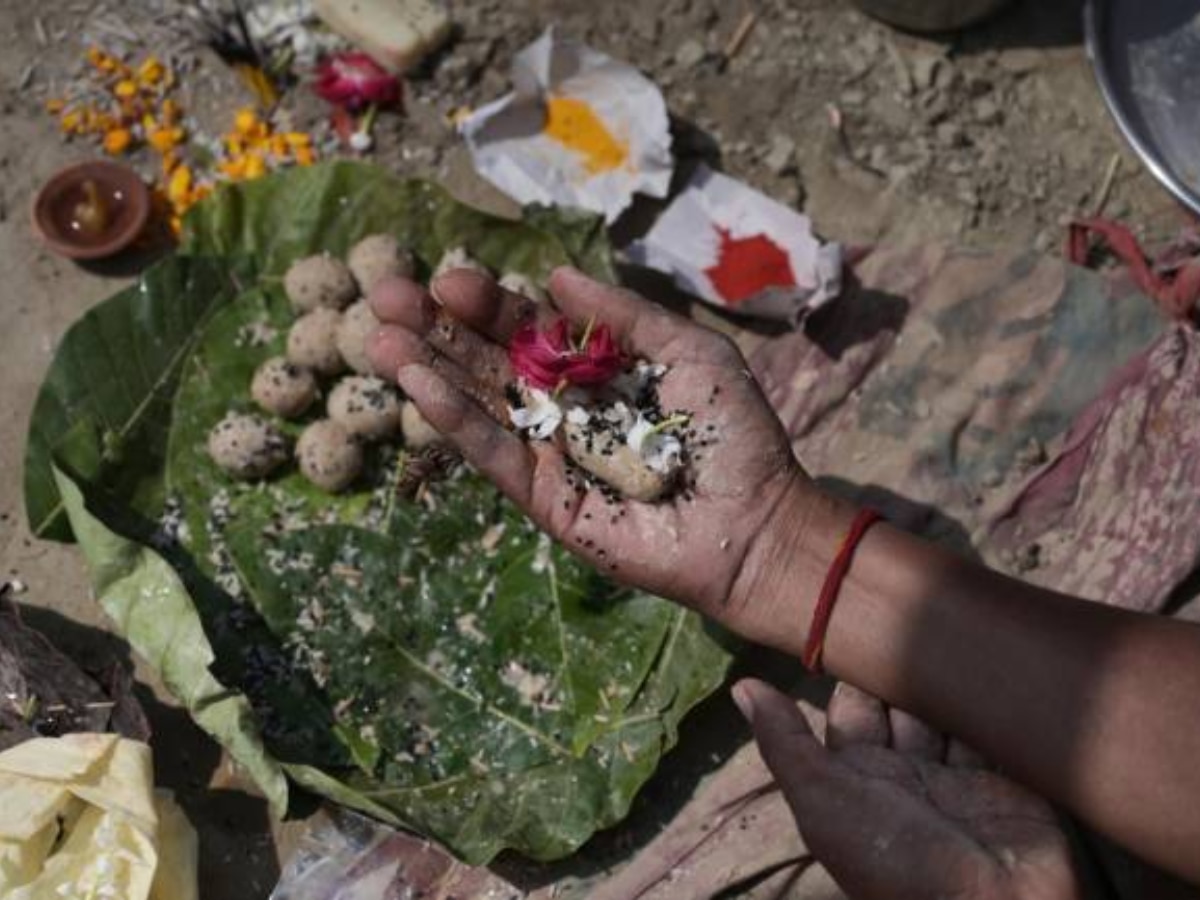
(330, 206)
(106, 400)
(148, 602)
(440, 665)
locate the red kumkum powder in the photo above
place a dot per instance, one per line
(748, 265)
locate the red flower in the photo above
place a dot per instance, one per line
(354, 81)
(547, 359)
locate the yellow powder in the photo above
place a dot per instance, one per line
(573, 124)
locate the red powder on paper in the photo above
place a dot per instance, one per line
(748, 265)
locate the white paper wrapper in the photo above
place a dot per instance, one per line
(715, 212)
(511, 149)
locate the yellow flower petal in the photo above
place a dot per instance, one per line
(117, 141)
(180, 185)
(126, 89)
(255, 166)
(246, 122)
(151, 71)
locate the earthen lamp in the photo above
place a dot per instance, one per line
(91, 210)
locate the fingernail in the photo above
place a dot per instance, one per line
(743, 700)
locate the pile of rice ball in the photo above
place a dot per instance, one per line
(328, 339)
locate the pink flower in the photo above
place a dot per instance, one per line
(354, 81)
(547, 359)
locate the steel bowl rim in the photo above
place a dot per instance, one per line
(1093, 23)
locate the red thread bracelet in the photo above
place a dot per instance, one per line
(815, 645)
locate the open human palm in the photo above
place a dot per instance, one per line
(448, 350)
(895, 811)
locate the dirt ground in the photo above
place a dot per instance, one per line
(987, 137)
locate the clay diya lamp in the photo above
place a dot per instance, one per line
(91, 210)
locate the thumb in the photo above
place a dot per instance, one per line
(869, 834)
(786, 741)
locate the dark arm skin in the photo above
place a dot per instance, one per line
(1095, 708)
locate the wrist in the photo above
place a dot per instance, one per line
(773, 598)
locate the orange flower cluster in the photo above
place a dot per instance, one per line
(252, 148)
(133, 108)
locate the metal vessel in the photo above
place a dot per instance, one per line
(1146, 55)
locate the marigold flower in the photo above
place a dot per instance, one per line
(305, 156)
(548, 359)
(256, 167)
(117, 141)
(151, 72)
(179, 187)
(71, 121)
(164, 139)
(247, 124)
(125, 89)
(354, 81)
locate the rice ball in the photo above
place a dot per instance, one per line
(377, 257)
(329, 456)
(319, 281)
(358, 323)
(525, 286)
(418, 433)
(458, 258)
(247, 446)
(283, 388)
(312, 341)
(367, 407)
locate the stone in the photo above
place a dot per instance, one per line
(781, 157)
(690, 54)
(951, 134)
(924, 70)
(987, 111)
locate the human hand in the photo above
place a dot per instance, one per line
(718, 546)
(893, 811)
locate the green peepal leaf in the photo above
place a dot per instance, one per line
(437, 664)
(331, 206)
(489, 663)
(106, 401)
(151, 607)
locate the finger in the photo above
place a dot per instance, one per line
(855, 718)
(478, 301)
(960, 756)
(391, 348)
(913, 737)
(399, 301)
(876, 841)
(497, 453)
(641, 327)
(785, 739)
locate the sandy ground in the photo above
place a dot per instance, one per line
(988, 137)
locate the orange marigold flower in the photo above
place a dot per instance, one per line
(117, 141)
(164, 139)
(179, 188)
(233, 169)
(151, 72)
(256, 167)
(246, 122)
(71, 121)
(305, 156)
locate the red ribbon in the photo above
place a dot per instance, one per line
(814, 646)
(1176, 290)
